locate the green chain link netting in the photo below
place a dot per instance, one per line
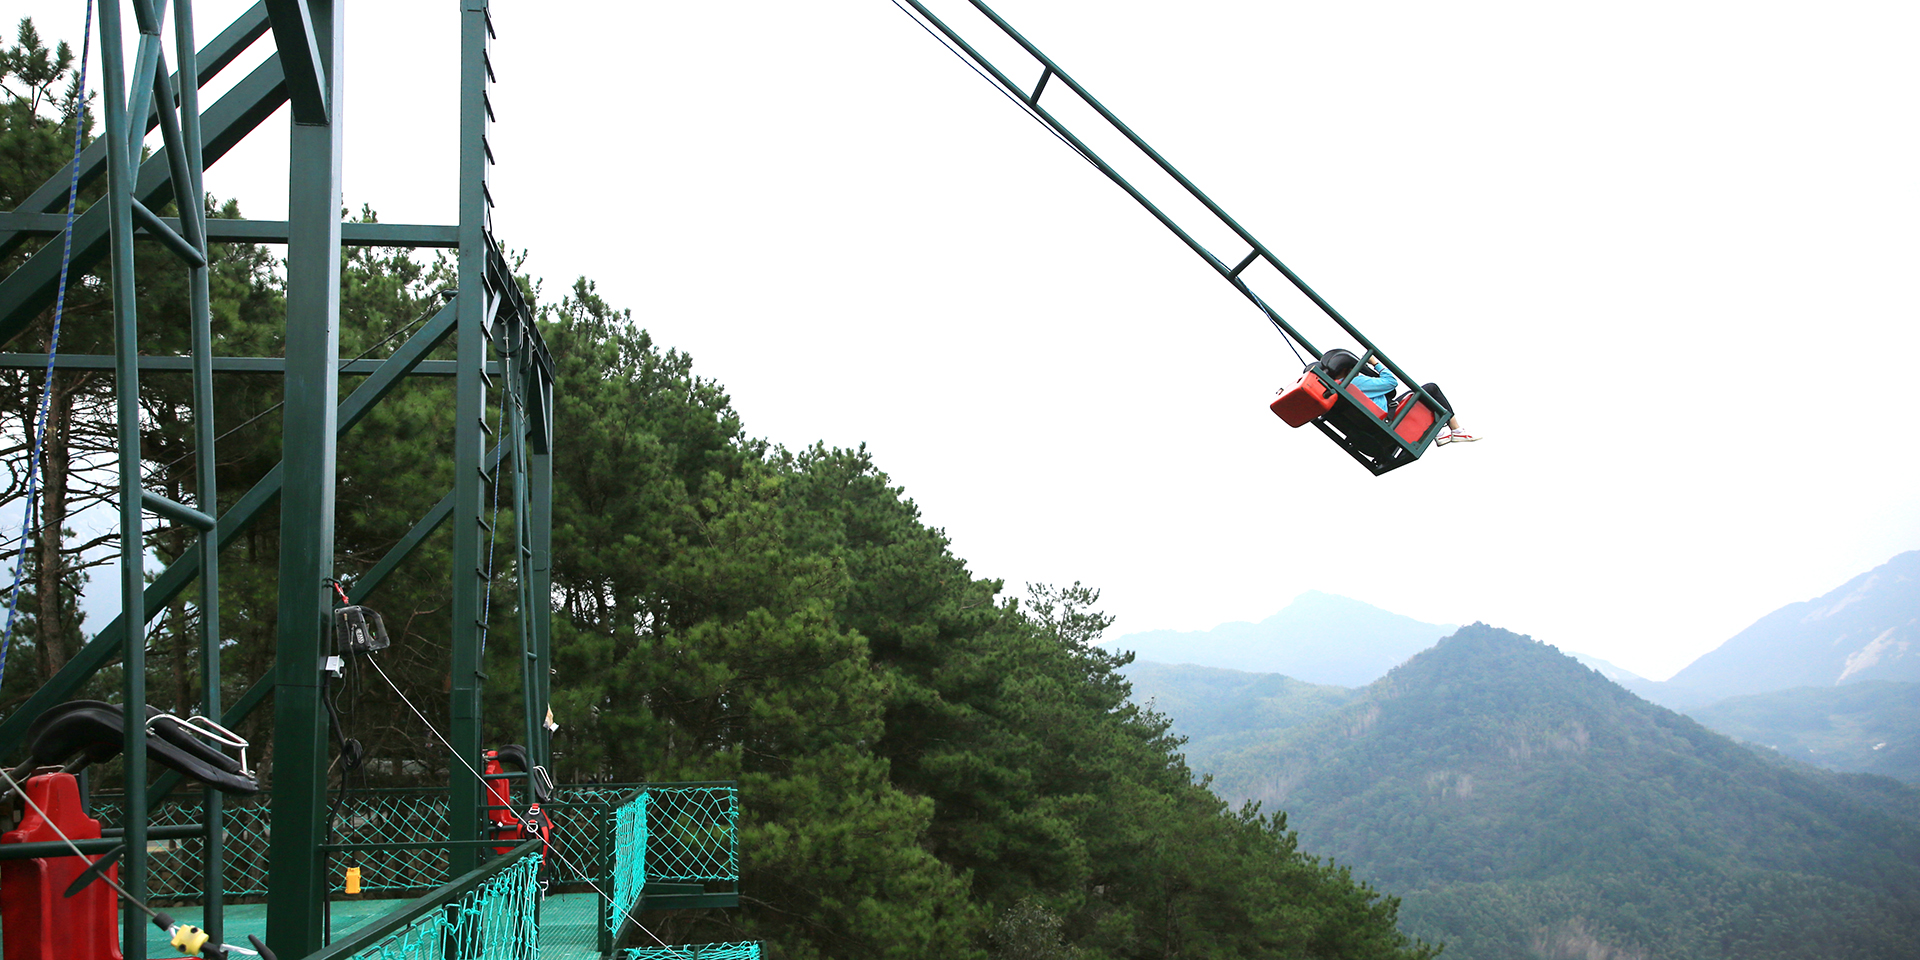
(629, 859)
(617, 836)
(672, 832)
(388, 817)
(692, 832)
(698, 951)
(492, 922)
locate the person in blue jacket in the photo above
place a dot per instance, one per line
(1378, 384)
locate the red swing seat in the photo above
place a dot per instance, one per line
(1358, 425)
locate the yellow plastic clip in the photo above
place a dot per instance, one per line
(353, 880)
(190, 938)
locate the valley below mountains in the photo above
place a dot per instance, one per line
(1524, 806)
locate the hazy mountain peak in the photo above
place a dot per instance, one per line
(1867, 629)
(1318, 637)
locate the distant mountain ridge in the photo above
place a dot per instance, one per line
(1867, 727)
(1525, 806)
(1868, 629)
(1218, 711)
(1319, 638)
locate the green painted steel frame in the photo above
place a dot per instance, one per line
(489, 312)
(1030, 101)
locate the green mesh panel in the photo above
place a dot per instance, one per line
(392, 818)
(672, 832)
(577, 829)
(581, 815)
(698, 951)
(492, 922)
(604, 793)
(629, 859)
(692, 832)
(175, 867)
(368, 816)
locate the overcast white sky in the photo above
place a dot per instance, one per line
(1660, 255)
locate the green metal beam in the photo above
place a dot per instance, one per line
(293, 34)
(260, 231)
(101, 649)
(214, 57)
(540, 578)
(30, 289)
(193, 218)
(116, 227)
(265, 365)
(296, 879)
(478, 300)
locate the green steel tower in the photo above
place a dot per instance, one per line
(500, 360)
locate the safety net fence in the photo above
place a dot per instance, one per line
(402, 821)
(486, 914)
(677, 833)
(700, 951)
(615, 850)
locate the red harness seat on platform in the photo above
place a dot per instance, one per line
(40, 922)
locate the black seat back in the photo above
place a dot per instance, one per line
(1338, 363)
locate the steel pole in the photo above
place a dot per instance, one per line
(296, 881)
(476, 306)
(126, 387)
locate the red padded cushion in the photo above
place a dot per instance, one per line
(1306, 400)
(1412, 428)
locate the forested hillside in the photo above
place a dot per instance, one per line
(1219, 712)
(1869, 727)
(928, 766)
(1525, 805)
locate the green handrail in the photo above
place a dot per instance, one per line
(378, 930)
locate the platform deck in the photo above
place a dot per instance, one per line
(567, 930)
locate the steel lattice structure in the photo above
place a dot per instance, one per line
(499, 355)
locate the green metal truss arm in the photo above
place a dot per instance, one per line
(1030, 102)
(300, 53)
(221, 230)
(32, 287)
(263, 365)
(214, 57)
(178, 574)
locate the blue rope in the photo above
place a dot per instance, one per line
(53, 348)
